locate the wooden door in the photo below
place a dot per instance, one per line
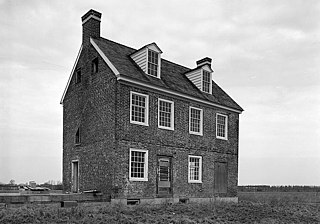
(221, 177)
(164, 185)
(75, 176)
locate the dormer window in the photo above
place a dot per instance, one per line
(206, 81)
(152, 63)
(148, 58)
(201, 76)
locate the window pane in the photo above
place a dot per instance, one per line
(194, 168)
(221, 126)
(152, 63)
(206, 82)
(195, 119)
(165, 113)
(137, 164)
(138, 108)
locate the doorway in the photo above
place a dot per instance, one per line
(164, 171)
(75, 176)
(221, 177)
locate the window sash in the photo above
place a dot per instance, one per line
(165, 114)
(138, 167)
(139, 108)
(153, 63)
(222, 126)
(195, 121)
(195, 169)
(206, 82)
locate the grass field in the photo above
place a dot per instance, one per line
(243, 212)
(284, 197)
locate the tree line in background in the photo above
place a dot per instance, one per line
(268, 188)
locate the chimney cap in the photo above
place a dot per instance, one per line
(204, 61)
(91, 14)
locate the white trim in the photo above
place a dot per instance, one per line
(105, 58)
(121, 78)
(225, 127)
(70, 77)
(171, 117)
(146, 116)
(145, 165)
(200, 169)
(201, 121)
(91, 16)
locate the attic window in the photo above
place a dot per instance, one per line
(78, 76)
(77, 140)
(153, 63)
(95, 66)
(206, 81)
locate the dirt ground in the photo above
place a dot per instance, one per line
(243, 212)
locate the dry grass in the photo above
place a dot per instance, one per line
(243, 212)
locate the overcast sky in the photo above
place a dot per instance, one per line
(265, 55)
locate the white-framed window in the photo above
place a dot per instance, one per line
(153, 63)
(206, 81)
(195, 121)
(166, 114)
(139, 108)
(222, 126)
(138, 165)
(194, 169)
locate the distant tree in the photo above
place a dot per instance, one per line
(12, 182)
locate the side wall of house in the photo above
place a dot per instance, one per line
(177, 144)
(90, 106)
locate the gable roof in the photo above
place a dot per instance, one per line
(173, 79)
(172, 75)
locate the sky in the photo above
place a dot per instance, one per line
(265, 55)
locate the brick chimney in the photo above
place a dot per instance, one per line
(90, 26)
(204, 61)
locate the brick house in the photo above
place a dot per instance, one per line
(139, 127)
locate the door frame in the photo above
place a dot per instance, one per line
(158, 175)
(75, 186)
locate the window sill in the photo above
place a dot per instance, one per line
(77, 144)
(139, 123)
(194, 182)
(221, 138)
(195, 133)
(166, 128)
(138, 179)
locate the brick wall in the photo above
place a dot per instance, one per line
(90, 106)
(178, 144)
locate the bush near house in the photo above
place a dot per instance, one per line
(243, 212)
